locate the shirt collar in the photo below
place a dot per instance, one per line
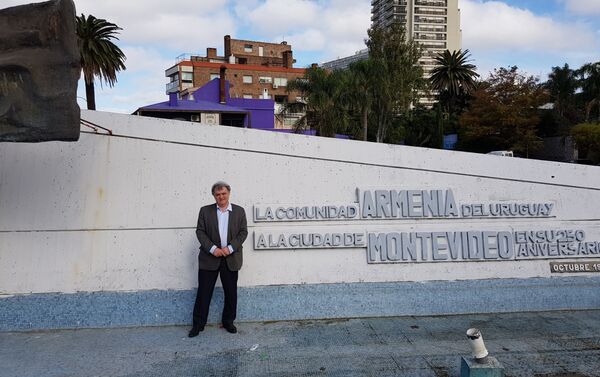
(229, 208)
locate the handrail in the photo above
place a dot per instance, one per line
(94, 126)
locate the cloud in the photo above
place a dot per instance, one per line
(495, 25)
(142, 83)
(333, 28)
(583, 7)
(184, 25)
(279, 17)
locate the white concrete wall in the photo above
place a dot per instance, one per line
(117, 213)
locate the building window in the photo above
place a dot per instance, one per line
(247, 79)
(247, 96)
(265, 80)
(214, 76)
(281, 99)
(280, 81)
(247, 48)
(187, 76)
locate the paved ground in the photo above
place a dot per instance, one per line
(557, 344)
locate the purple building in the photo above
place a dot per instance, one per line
(211, 104)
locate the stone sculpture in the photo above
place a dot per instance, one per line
(39, 70)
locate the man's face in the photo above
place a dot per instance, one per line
(222, 197)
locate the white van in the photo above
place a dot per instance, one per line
(502, 153)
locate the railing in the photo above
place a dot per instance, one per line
(93, 126)
(441, 12)
(431, 3)
(430, 20)
(430, 37)
(426, 45)
(430, 29)
(172, 85)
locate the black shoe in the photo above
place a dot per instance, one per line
(230, 328)
(195, 331)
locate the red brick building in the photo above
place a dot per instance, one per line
(253, 69)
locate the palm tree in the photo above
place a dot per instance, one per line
(323, 108)
(99, 55)
(590, 84)
(562, 84)
(454, 75)
(361, 89)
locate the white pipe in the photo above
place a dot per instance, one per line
(476, 340)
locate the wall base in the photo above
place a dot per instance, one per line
(293, 302)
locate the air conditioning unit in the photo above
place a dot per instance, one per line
(275, 86)
(195, 118)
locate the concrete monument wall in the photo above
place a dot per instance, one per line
(102, 232)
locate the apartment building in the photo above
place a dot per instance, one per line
(255, 70)
(435, 24)
(343, 63)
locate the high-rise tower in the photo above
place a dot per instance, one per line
(435, 24)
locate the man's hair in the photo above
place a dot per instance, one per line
(219, 185)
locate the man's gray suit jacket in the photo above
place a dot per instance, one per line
(207, 232)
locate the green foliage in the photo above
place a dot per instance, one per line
(587, 138)
(562, 84)
(361, 88)
(503, 114)
(397, 77)
(325, 105)
(590, 84)
(453, 77)
(378, 91)
(100, 57)
(575, 95)
(425, 128)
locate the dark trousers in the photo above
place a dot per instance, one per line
(206, 286)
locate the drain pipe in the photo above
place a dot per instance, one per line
(481, 364)
(480, 353)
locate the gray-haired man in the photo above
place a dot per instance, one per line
(221, 231)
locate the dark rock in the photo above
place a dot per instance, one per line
(39, 69)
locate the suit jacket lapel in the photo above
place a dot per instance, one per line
(229, 225)
(215, 217)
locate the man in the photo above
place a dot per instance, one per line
(221, 231)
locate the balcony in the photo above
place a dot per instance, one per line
(434, 29)
(433, 45)
(431, 3)
(172, 87)
(397, 9)
(434, 12)
(431, 37)
(430, 20)
(395, 5)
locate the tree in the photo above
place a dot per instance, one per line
(503, 113)
(324, 105)
(562, 84)
(99, 55)
(399, 77)
(424, 128)
(453, 76)
(361, 87)
(587, 138)
(590, 84)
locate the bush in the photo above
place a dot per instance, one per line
(587, 138)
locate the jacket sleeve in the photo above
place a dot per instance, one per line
(239, 238)
(205, 243)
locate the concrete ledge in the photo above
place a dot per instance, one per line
(311, 301)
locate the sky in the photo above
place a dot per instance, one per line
(534, 35)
